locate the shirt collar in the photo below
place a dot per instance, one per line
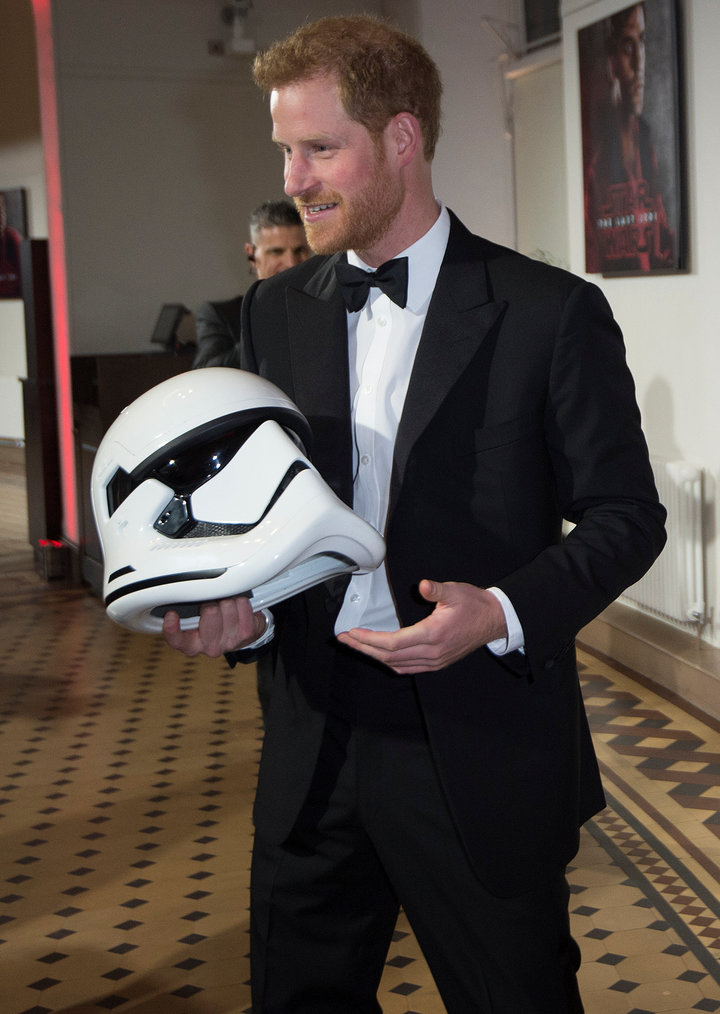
(424, 259)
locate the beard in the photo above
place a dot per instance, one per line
(360, 219)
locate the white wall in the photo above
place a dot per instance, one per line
(539, 146)
(670, 322)
(473, 167)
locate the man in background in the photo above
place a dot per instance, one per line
(277, 242)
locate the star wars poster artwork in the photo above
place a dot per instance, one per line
(631, 135)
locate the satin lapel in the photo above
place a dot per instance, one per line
(321, 383)
(460, 315)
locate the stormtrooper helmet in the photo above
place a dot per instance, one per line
(203, 489)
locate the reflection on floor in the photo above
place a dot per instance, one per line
(126, 786)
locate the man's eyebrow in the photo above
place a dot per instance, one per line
(310, 139)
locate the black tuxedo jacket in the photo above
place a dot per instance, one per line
(520, 412)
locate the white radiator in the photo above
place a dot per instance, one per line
(674, 587)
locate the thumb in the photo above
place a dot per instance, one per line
(431, 591)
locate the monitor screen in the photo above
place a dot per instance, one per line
(165, 332)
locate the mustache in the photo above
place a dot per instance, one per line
(310, 200)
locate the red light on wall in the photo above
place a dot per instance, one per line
(58, 274)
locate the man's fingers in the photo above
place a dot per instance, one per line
(172, 633)
(210, 627)
(223, 626)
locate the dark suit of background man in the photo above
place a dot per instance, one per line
(277, 242)
(427, 745)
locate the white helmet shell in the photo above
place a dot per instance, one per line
(202, 490)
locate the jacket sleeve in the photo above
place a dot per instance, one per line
(603, 480)
(216, 345)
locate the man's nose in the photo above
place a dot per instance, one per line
(297, 177)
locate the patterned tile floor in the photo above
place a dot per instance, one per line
(126, 783)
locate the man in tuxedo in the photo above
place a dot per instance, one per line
(427, 745)
(277, 242)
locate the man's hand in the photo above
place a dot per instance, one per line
(464, 618)
(227, 625)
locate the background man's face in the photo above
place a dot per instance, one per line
(277, 248)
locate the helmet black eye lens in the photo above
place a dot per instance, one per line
(184, 468)
(184, 471)
(192, 466)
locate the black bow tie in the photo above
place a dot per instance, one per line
(391, 277)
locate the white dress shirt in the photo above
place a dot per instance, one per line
(382, 342)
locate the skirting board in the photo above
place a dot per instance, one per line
(681, 663)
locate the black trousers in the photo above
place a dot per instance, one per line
(375, 833)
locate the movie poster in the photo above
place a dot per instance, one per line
(632, 160)
(13, 229)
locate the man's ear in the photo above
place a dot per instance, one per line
(406, 136)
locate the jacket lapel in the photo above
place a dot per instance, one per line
(320, 371)
(318, 343)
(460, 315)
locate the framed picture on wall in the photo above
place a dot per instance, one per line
(632, 137)
(13, 229)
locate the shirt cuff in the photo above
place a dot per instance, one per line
(515, 640)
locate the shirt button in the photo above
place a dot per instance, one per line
(382, 321)
(365, 459)
(354, 598)
(368, 389)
